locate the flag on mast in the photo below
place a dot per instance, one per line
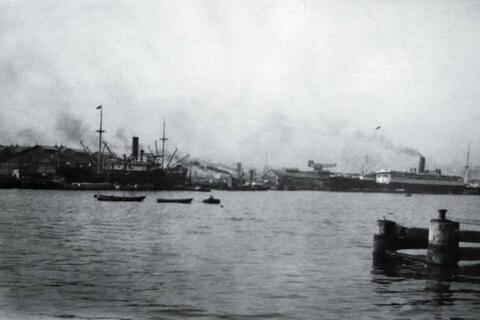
(99, 107)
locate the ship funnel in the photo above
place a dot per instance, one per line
(239, 170)
(135, 147)
(421, 165)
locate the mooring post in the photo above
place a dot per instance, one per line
(384, 240)
(442, 241)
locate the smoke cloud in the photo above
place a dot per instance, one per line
(70, 128)
(237, 81)
(28, 136)
(121, 138)
(389, 145)
(411, 152)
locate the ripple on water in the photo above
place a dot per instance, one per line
(268, 255)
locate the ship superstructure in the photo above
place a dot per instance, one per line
(145, 170)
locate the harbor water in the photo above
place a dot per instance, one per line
(260, 255)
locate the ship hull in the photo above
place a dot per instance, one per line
(346, 184)
(156, 179)
(422, 188)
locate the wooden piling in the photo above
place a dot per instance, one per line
(384, 239)
(392, 237)
(442, 241)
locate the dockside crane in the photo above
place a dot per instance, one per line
(235, 175)
(320, 166)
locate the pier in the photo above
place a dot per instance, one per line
(441, 240)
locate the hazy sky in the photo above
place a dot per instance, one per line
(248, 80)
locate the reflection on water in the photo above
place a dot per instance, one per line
(427, 289)
(265, 255)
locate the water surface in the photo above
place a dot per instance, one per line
(263, 255)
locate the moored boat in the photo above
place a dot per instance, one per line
(163, 200)
(102, 197)
(212, 200)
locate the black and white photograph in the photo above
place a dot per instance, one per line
(239, 159)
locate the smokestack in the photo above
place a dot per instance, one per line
(141, 154)
(239, 169)
(135, 147)
(421, 165)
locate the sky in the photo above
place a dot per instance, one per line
(257, 82)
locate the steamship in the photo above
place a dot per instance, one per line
(415, 181)
(138, 171)
(144, 171)
(423, 181)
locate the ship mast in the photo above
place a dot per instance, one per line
(465, 176)
(100, 131)
(365, 166)
(163, 145)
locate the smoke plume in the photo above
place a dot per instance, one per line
(27, 136)
(387, 144)
(411, 152)
(71, 128)
(123, 142)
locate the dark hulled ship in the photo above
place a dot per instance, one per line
(414, 181)
(423, 181)
(147, 171)
(138, 171)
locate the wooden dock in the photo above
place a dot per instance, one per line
(441, 240)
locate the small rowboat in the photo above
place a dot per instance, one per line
(212, 200)
(186, 200)
(101, 197)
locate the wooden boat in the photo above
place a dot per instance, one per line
(212, 200)
(101, 197)
(186, 200)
